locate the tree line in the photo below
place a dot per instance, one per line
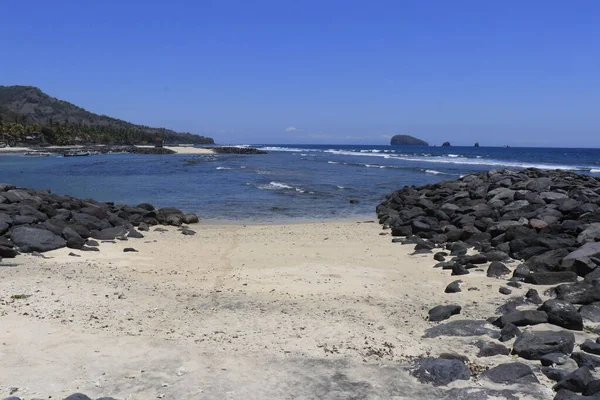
(67, 133)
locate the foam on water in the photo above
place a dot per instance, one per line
(222, 168)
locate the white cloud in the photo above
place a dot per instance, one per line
(291, 129)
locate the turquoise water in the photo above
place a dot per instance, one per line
(291, 182)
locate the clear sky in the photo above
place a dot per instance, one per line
(302, 71)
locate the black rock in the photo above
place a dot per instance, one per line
(490, 349)
(511, 373)
(553, 359)
(29, 239)
(591, 312)
(440, 371)
(534, 345)
(554, 374)
(453, 287)
(504, 290)
(91, 242)
(522, 318)
(514, 284)
(562, 314)
(497, 269)
(551, 278)
(442, 312)
(522, 271)
(586, 360)
(508, 332)
(590, 346)
(188, 232)
(129, 250)
(439, 257)
(533, 296)
(576, 381)
(578, 293)
(8, 252)
(592, 388)
(77, 396)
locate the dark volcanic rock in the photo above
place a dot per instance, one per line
(77, 396)
(533, 296)
(554, 359)
(551, 278)
(490, 349)
(511, 373)
(591, 312)
(29, 239)
(586, 360)
(534, 345)
(504, 290)
(453, 287)
(458, 269)
(591, 347)
(497, 269)
(562, 314)
(440, 371)
(576, 381)
(508, 332)
(522, 318)
(440, 313)
(578, 293)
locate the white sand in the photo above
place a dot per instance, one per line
(311, 311)
(14, 150)
(186, 149)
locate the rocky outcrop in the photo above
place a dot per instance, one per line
(39, 221)
(237, 150)
(446, 144)
(406, 140)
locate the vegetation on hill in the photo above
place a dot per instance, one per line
(28, 114)
(407, 140)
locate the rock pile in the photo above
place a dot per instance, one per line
(547, 222)
(237, 150)
(39, 221)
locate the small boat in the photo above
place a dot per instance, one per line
(37, 154)
(77, 154)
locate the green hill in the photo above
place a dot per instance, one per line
(26, 110)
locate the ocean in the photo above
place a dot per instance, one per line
(291, 183)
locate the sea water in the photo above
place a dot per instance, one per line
(298, 182)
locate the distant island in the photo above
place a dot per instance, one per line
(407, 140)
(446, 144)
(28, 115)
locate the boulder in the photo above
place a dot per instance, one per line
(497, 269)
(490, 349)
(510, 374)
(534, 345)
(586, 360)
(554, 359)
(109, 233)
(442, 312)
(590, 346)
(554, 374)
(440, 371)
(453, 287)
(77, 396)
(576, 381)
(562, 314)
(522, 318)
(551, 278)
(29, 239)
(578, 292)
(508, 332)
(548, 261)
(10, 252)
(591, 311)
(590, 234)
(190, 219)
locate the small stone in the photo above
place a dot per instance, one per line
(505, 290)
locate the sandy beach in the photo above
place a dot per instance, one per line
(184, 149)
(315, 310)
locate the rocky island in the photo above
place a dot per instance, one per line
(406, 140)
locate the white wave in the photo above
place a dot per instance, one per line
(595, 171)
(243, 167)
(340, 187)
(354, 153)
(333, 162)
(289, 149)
(455, 156)
(223, 168)
(303, 155)
(275, 186)
(263, 172)
(433, 171)
(490, 162)
(242, 146)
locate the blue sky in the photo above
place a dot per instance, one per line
(523, 73)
